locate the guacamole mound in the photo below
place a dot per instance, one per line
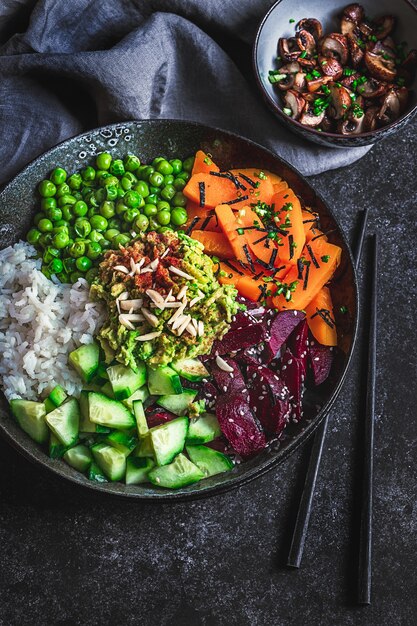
(161, 287)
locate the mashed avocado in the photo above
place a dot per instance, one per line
(161, 288)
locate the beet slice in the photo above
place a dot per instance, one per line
(236, 340)
(278, 327)
(156, 418)
(228, 382)
(298, 344)
(221, 445)
(268, 398)
(239, 426)
(292, 374)
(242, 319)
(250, 356)
(321, 359)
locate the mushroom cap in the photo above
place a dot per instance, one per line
(306, 41)
(309, 118)
(380, 68)
(372, 88)
(295, 102)
(335, 45)
(370, 121)
(383, 26)
(410, 61)
(315, 84)
(288, 48)
(312, 25)
(340, 101)
(353, 125)
(354, 12)
(330, 67)
(391, 107)
(356, 52)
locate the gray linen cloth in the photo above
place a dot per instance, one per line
(70, 65)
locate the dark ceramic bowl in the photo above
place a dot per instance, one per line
(174, 138)
(280, 21)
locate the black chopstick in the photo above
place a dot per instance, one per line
(304, 509)
(365, 537)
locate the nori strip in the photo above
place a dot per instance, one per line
(248, 180)
(325, 316)
(313, 258)
(300, 267)
(306, 275)
(202, 189)
(290, 243)
(236, 200)
(232, 267)
(248, 257)
(333, 230)
(191, 226)
(261, 239)
(206, 222)
(273, 257)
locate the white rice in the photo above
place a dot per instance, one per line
(40, 323)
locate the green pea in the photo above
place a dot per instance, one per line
(77, 249)
(179, 184)
(153, 198)
(131, 177)
(126, 183)
(69, 264)
(131, 162)
(58, 176)
(66, 199)
(121, 207)
(91, 275)
(50, 254)
(100, 195)
(110, 180)
(176, 165)
(67, 213)
(106, 244)
(154, 190)
(141, 222)
(82, 227)
(188, 164)
(60, 223)
(111, 233)
(80, 208)
(95, 236)
(93, 250)
(153, 224)
(60, 240)
(120, 192)
(102, 176)
(168, 192)
(88, 173)
(75, 276)
(46, 188)
(45, 225)
(163, 217)
(75, 181)
(45, 271)
(132, 199)
(131, 215)
(157, 160)
(142, 188)
(150, 209)
(56, 266)
(168, 179)
(48, 203)
(92, 211)
(112, 192)
(98, 222)
(54, 214)
(62, 190)
(184, 175)
(114, 222)
(33, 236)
(117, 167)
(163, 205)
(38, 217)
(164, 167)
(179, 199)
(164, 229)
(148, 171)
(178, 216)
(107, 209)
(103, 160)
(156, 179)
(77, 195)
(120, 240)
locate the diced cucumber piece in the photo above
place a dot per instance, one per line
(31, 418)
(137, 470)
(180, 473)
(139, 413)
(85, 360)
(211, 462)
(58, 395)
(49, 405)
(168, 439)
(122, 441)
(86, 426)
(107, 389)
(145, 448)
(56, 448)
(95, 474)
(203, 429)
(110, 413)
(101, 371)
(125, 381)
(141, 394)
(191, 369)
(79, 458)
(163, 381)
(111, 461)
(64, 422)
(178, 403)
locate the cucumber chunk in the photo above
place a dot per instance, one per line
(211, 462)
(31, 418)
(141, 394)
(56, 448)
(64, 422)
(137, 470)
(107, 389)
(110, 413)
(79, 458)
(139, 413)
(86, 426)
(101, 371)
(95, 474)
(49, 405)
(145, 448)
(191, 369)
(177, 403)
(125, 381)
(168, 439)
(180, 473)
(58, 395)
(122, 441)
(111, 461)
(85, 360)
(203, 429)
(163, 381)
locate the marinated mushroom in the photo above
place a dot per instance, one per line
(353, 12)
(353, 125)
(356, 52)
(372, 88)
(370, 121)
(306, 42)
(380, 67)
(288, 49)
(294, 103)
(340, 101)
(310, 117)
(383, 26)
(312, 25)
(391, 107)
(410, 61)
(335, 45)
(331, 67)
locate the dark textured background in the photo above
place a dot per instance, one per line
(70, 557)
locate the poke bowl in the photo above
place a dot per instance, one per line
(194, 353)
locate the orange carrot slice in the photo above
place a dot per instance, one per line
(320, 318)
(203, 164)
(229, 224)
(230, 272)
(209, 191)
(200, 219)
(289, 218)
(255, 289)
(259, 186)
(214, 243)
(256, 235)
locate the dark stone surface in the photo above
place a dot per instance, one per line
(70, 557)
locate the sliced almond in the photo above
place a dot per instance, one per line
(123, 296)
(200, 328)
(223, 365)
(150, 317)
(179, 321)
(179, 272)
(149, 336)
(166, 305)
(184, 325)
(194, 301)
(132, 265)
(154, 263)
(191, 330)
(182, 292)
(176, 314)
(121, 268)
(133, 317)
(135, 304)
(125, 322)
(195, 323)
(155, 296)
(163, 255)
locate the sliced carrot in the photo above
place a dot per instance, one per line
(280, 186)
(214, 243)
(255, 289)
(311, 223)
(230, 273)
(203, 164)
(310, 275)
(320, 318)
(234, 233)
(209, 191)
(201, 219)
(256, 236)
(258, 189)
(288, 217)
(276, 180)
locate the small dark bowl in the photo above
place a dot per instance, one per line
(148, 139)
(276, 24)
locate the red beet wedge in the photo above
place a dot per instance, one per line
(228, 382)
(321, 359)
(298, 344)
(278, 328)
(293, 376)
(239, 425)
(268, 399)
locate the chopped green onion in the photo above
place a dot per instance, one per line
(287, 111)
(303, 54)
(291, 21)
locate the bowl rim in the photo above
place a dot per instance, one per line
(234, 481)
(273, 104)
